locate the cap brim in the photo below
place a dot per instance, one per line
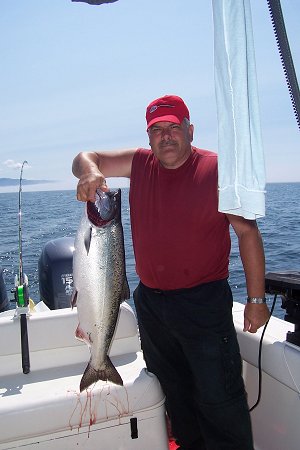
(168, 118)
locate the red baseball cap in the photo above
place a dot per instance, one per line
(169, 108)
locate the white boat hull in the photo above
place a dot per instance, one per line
(275, 420)
(44, 408)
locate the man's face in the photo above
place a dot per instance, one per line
(171, 142)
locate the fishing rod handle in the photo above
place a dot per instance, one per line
(24, 344)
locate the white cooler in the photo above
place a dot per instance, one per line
(44, 408)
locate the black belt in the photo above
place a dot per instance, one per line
(178, 291)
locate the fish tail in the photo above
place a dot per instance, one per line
(107, 372)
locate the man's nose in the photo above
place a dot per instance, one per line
(166, 133)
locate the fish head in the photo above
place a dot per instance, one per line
(107, 207)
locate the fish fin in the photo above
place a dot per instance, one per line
(87, 239)
(74, 299)
(125, 295)
(107, 372)
(81, 335)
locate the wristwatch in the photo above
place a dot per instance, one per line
(256, 300)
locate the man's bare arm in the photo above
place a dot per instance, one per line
(92, 169)
(253, 259)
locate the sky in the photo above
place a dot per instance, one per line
(76, 77)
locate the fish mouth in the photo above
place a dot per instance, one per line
(105, 208)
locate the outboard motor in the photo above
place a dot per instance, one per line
(56, 273)
(4, 302)
(287, 285)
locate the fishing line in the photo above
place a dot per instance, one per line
(259, 356)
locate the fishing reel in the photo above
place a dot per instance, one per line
(287, 285)
(21, 294)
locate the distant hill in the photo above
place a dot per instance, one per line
(16, 181)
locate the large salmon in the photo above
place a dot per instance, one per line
(100, 283)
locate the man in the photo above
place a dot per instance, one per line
(183, 302)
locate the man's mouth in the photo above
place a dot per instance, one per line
(167, 144)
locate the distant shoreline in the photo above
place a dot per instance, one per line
(10, 182)
(35, 182)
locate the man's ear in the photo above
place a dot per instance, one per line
(191, 132)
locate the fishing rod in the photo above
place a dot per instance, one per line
(21, 290)
(21, 273)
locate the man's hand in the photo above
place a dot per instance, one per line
(88, 184)
(255, 316)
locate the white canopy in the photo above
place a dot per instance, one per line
(241, 159)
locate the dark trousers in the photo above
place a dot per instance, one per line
(190, 344)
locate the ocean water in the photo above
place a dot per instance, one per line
(55, 214)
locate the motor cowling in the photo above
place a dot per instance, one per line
(4, 302)
(55, 268)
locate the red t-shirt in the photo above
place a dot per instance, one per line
(180, 239)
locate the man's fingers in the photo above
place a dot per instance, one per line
(87, 186)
